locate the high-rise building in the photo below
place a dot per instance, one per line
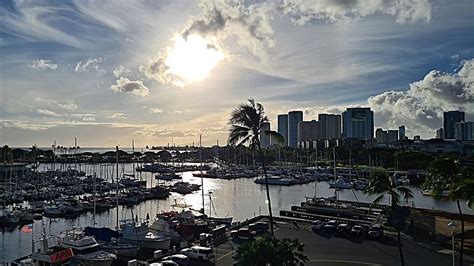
(294, 117)
(330, 125)
(380, 136)
(449, 120)
(264, 137)
(401, 132)
(386, 137)
(358, 123)
(283, 127)
(392, 135)
(309, 131)
(464, 131)
(440, 133)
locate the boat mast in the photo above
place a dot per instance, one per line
(315, 181)
(133, 157)
(335, 179)
(117, 184)
(202, 178)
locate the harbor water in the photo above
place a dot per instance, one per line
(237, 198)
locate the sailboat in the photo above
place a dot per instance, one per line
(109, 237)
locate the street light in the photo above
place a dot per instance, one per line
(452, 227)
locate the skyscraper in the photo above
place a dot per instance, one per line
(331, 126)
(358, 123)
(283, 127)
(293, 118)
(464, 131)
(264, 137)
(401, 132)
(449, 120)
(309, 131)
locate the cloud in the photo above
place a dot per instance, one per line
(47, 112)
(23, 125)
(91, 64)
(155, 110)
(118, 71)
(249, 23)
(118, 116)
(68, 105)
(32, 21)
(134, 87)
(421, 107)
(43, 64)
(302, 12)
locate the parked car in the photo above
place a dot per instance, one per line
(343, 229)
(375, 231)
(259, 227)
(330, 226)
(243, 233)
(164, 263)
(199, 253)
(180, 259)
(317, 225)
(357, 231)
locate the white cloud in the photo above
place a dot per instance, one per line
(134, 87)
(154, 110)
(305, 11)
(47, 112)
(91, 64)
(42, 64)
(68, 105)
(118, 71)
(421, 107)
(118, 116)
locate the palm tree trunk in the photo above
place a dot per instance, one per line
(262, 161)
(461, 250)
(402, 260)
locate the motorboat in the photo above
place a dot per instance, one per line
(275, 180)
(324, 206)
(340, 183)
(141, 235)
(85, 248)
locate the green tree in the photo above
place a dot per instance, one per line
(271, 251)
(247, 121)
(446, 175)
(381, 184)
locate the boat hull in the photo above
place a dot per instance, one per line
(148, 244)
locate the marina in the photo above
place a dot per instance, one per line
(243, 199)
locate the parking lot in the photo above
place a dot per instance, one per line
(328, 249)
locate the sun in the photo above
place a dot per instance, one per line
(192, 58)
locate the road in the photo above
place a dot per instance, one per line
(342, 251)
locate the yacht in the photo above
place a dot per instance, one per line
(275, 180)
(140, 234)
(340, 183)
(359, 184)
(85, 248)
(324, 206)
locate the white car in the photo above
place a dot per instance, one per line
(199, 253)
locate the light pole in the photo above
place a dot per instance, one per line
(452, 227)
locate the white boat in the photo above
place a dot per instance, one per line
(340, 184)
(86, 249)
(429, 192)
(275, 180)
(359, 184)
(323, 206)
(142, 236)
(120, 249)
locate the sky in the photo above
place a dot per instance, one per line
(162, 72)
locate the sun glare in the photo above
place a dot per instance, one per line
(192, 58)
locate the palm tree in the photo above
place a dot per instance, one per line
(381, 184)
(247, 122)
(271, 251)
(444, 174)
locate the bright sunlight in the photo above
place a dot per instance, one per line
(192, 58)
